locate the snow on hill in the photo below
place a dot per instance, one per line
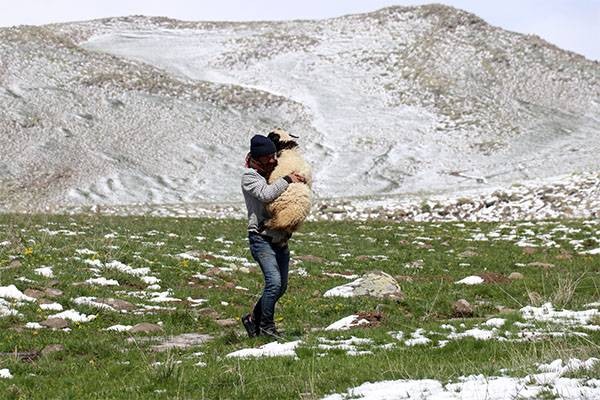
(423, 100)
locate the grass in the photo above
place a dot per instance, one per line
(98, 364)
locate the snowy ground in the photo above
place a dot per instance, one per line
(129, 111)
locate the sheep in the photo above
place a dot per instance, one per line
(291, 208)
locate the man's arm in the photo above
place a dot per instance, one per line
(257, 187)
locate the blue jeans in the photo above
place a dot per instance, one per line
(274, 262)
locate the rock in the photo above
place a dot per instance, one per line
(564, 255)
(182, 341)
(542, 265)
(529, 250)
(51, 292)
(52, 348)
(490, 201)
(146, 327)
(505, 310)
(229, 285)
(209, 312)
(362, 258)
(33, 293)
(462, 308)
(214, 271)
(14, 264)
(375, 284)
(515, 276)
(55, 323)
(227, 323)
(117, 304)
(467, 253)
(311, 258)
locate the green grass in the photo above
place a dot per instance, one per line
(98, 364)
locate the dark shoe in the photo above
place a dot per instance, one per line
(270, 331)
(249, 325)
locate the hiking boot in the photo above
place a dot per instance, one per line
(249, 325)
(270, 331)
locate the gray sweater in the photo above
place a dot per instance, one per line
(257, 194)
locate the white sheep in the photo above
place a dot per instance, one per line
(291, 208)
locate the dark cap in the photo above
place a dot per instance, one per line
(261, 146)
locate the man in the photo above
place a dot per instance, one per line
(268, 247)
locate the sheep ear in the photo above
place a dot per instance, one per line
(274, 137)
(294, 136)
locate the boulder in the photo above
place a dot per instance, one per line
(376, 284)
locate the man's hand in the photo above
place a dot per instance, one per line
(297, 178)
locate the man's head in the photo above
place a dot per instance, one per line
(263, 152)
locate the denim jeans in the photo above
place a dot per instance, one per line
(274, 262)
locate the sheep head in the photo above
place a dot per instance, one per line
(282, 139)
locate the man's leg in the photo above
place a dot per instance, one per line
(283, 262)
(265, 255)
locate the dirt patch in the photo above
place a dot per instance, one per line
(374, 318)
(493, 277)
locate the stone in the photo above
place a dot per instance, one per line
(33, 293)
(544, 266)
(120, 305)
(462, 308)
(529, 250)
(14, 264)
(51, 292)
(227, 323)
(467, 253)
(376, 284)
(182, 341)
(146, 327)
(209, 312)
(515, 276)
(564, 255)
(55, 323)
(214, 271)
(505, 310)
(52, 348)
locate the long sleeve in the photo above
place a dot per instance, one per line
(256, 186)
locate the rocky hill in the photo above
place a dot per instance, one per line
(404, 101)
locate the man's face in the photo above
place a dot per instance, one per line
(268, 162)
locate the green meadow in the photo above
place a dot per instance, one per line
(209, 259)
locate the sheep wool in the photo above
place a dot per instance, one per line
(292, 207)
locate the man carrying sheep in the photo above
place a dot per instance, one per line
(268, 247)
